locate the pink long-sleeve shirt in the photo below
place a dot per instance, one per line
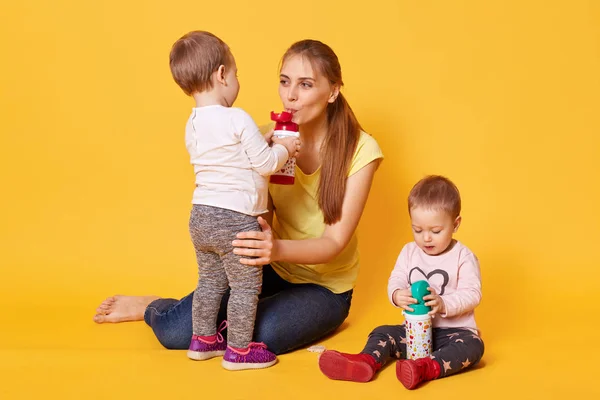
(454, 275)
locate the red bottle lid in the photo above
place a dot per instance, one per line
(283, 121)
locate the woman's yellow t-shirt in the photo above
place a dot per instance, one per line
(298, 216)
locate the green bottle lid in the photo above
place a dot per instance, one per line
(418, 291)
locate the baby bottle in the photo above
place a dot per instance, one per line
(419, 341)
(284, 127)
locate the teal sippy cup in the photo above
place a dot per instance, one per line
(419, 339)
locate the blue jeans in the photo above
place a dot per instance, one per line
(289, 315)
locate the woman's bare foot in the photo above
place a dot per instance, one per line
(123, 308)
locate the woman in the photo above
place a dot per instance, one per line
(311, 253)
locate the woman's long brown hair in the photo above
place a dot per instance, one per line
(343, 130)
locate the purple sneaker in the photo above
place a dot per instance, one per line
(202, 349)
(254, 357)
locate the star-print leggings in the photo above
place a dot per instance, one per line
(454, 349)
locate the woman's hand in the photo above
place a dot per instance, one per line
(259, 245)
(403, 299)
(436, 303)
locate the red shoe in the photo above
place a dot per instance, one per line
(413, 372)
(348, 367)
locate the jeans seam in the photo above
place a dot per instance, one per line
(155, 310)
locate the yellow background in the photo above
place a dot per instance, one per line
(500, 96)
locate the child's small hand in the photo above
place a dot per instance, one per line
(436, 303)
(292, 144)
(403, 299)
(269, 136)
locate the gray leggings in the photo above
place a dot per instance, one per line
(212, 230)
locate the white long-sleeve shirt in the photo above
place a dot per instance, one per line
(231, 159)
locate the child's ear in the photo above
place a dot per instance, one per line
(457, 222)
(221, 75)
(335, 92)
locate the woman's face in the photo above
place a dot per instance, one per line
(304, 91)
